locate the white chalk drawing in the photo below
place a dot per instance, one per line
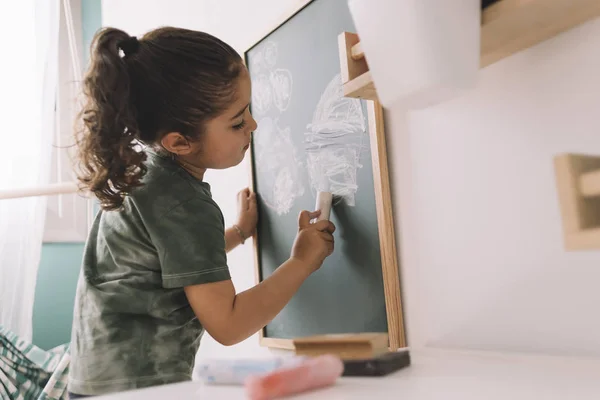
(265, 58)
(279, 166)
(270, 55)
(281, 85)
(256, 61)
(274, 86)
(334, 142)
(261, 95)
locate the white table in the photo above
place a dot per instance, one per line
(436, 374)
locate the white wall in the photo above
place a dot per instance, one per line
(476, 210)
(491, 271)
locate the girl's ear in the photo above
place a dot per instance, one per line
(176, 143)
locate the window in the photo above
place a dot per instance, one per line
(38, 106)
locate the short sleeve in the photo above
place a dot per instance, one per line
(190, 241)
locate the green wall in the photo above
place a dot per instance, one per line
(91, 16)
(60, 262)
(55, 293)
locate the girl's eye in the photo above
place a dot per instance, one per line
(241, 125)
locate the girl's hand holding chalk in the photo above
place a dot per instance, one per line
(314, 242)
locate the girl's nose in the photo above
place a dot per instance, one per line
(253, 125)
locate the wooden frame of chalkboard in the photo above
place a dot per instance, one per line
(385, 219)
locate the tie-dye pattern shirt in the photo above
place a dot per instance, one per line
(133, 326)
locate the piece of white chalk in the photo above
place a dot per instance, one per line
(324, 200)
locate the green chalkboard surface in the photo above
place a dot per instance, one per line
(311, 138)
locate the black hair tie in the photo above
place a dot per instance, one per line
(129, 46)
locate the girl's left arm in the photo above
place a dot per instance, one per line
(247, 220)
(233, 238)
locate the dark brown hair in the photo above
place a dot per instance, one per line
(171, 80)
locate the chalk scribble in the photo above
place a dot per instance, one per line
(279, 166)
(261, 95)
(334, 142)
(281, 86)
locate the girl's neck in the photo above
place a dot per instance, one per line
(195, 171)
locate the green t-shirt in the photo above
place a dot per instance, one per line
(133, 326)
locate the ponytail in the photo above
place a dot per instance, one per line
(112, 165)
(171, 80)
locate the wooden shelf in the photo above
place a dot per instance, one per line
(356, 77)
(507, 27)
(589, 184)
(361, 87)
(578, 186)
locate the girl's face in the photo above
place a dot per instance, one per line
(227, 137)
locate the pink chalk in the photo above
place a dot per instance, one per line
(312, 374)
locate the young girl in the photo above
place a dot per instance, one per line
(161, 111)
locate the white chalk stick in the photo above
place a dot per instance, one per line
(324, 200)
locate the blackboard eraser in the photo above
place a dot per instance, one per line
(324, 201)
(381, 365)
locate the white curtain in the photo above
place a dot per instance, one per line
(28, 79)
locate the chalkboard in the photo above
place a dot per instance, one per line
(311, 138)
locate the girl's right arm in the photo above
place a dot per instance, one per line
(230, 318)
